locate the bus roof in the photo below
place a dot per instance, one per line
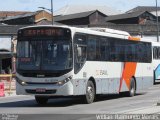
(112, 31)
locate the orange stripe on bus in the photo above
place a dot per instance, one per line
(134, 38)
(129, 72)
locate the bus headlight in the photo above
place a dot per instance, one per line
(20, 81)
(64, 81)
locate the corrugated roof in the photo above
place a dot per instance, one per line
(143, 8)
(133, 29)
(46, 22)
(74, 16)
(9, 29)
(72, 9)
(21, 16)
(12, 13)
(125, 15)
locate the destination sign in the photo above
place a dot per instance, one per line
(44, 32)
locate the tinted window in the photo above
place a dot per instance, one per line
(113, 49)
(91, 48)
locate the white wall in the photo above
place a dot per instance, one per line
(5, 43)
(150, 37)
(154, 38)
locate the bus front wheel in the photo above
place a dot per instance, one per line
(90, 92)
(41, 100)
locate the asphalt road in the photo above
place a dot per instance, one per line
(73, 108)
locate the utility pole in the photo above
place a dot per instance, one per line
(52, 11)
(157, 22)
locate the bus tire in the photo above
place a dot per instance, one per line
(90, 92)
(154, 79)
(41, 100)
(132, 90)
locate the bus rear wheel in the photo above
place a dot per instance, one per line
(41, 100)
(132, 90)
(90, 92)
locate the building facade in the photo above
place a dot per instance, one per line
(31, 18)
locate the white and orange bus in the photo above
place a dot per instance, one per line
(69, 61)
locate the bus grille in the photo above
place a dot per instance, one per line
(45, 75)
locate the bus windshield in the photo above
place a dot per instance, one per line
(44, 54)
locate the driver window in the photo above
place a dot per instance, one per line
(80, 51)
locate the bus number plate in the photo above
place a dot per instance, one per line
(41, 90)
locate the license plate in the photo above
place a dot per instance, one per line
(42, 90)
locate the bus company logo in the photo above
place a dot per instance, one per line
(101, 72)
(40, 76)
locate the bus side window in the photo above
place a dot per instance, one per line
(104, 49)
(112, 50)
(91, 48)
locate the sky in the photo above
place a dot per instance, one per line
(32, 5)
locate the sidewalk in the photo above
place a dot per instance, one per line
(149, 110)
(143, 110)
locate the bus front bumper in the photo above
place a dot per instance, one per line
(45, 90)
